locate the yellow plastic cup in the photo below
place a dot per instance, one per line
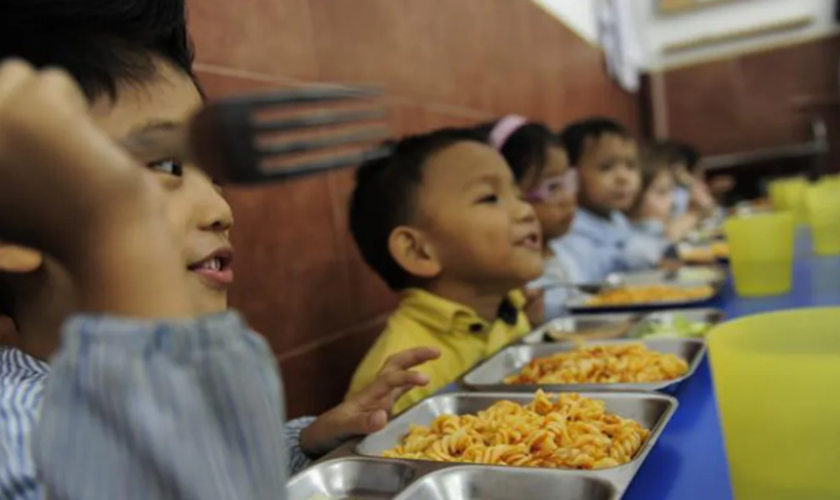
(773, 375)
(824, 218)
(778, 200)
(761, 253)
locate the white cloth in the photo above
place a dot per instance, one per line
(618, 35)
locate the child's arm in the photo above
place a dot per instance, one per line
(368, 410)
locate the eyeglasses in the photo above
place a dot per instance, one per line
(553, 187)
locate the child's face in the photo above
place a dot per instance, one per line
(609, 171)
(553, 194)
(478, 229)
(658, 201)
(198, 215)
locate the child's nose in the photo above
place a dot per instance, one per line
(525, 211)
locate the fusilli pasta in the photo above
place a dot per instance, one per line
(630, 362)
(570, 431)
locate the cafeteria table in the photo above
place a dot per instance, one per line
(688, 462)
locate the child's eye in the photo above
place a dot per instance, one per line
(169, 167)
(490, 199)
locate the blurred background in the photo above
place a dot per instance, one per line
(753, 84)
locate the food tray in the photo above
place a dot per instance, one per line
(709, 315)
(578, 304)
(472, 482)
(695, 275)
(359, 478)
(379, 479)
(452, 480)
(577, 323)
(591, 322)
(489, 375)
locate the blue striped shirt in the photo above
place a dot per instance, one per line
(138, 409)
(22, 380)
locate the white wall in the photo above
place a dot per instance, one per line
(579, 15)
(657, 30)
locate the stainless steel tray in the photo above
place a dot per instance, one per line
(653, 411)
(360, 478)
(470, 482)
(578, 303)
(710, 316)
(584, 322)
(489, 375)
(577, 323)
(695, 275)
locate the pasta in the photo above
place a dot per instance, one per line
(644, 294)
(630, 362)
(570, 431)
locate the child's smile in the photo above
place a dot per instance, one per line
(215, 269)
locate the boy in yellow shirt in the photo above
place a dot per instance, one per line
(442, 221)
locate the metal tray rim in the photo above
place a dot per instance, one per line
(693, 364)
(672, 402)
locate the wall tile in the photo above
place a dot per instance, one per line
(317, 380)
(300, 280)
(272, 37)
(292, 279)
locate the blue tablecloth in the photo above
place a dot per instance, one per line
(688, 462)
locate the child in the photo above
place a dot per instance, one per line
(133, 62)
(441, 220)
(692, 199)
(651, 213)
(602, 240)
(541, 168)
(145, 402)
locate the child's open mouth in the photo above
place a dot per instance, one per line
(531, 242)
(215, 269)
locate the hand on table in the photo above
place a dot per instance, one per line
(368, 410)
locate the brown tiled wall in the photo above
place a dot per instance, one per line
(756, 100)
(443, 62)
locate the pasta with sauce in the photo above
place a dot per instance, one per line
(628, 362)
(569, 431)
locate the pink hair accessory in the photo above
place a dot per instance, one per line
(505, 128)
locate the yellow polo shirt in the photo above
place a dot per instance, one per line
(464, 339)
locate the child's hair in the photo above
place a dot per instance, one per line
(654, 159)
(6, 302)
(574, 136)
(100, 42)
(680, 152)
(385, 195)
(523, 144)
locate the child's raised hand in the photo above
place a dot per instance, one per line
(67, 189)
(367, 411)
(59, 175)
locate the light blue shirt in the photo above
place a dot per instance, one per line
(559, 268)
(138, 409)
(682, 200)
(597, 247)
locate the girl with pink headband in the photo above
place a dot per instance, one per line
(541, 168)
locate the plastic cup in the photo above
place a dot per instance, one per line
(761, 253)
(778, 200)
(824, 218)
(772, 376)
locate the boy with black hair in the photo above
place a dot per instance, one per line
(133, 62)
(442, 221)
(602, 240)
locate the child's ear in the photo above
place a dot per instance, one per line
(19, 260)
(413, 252)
